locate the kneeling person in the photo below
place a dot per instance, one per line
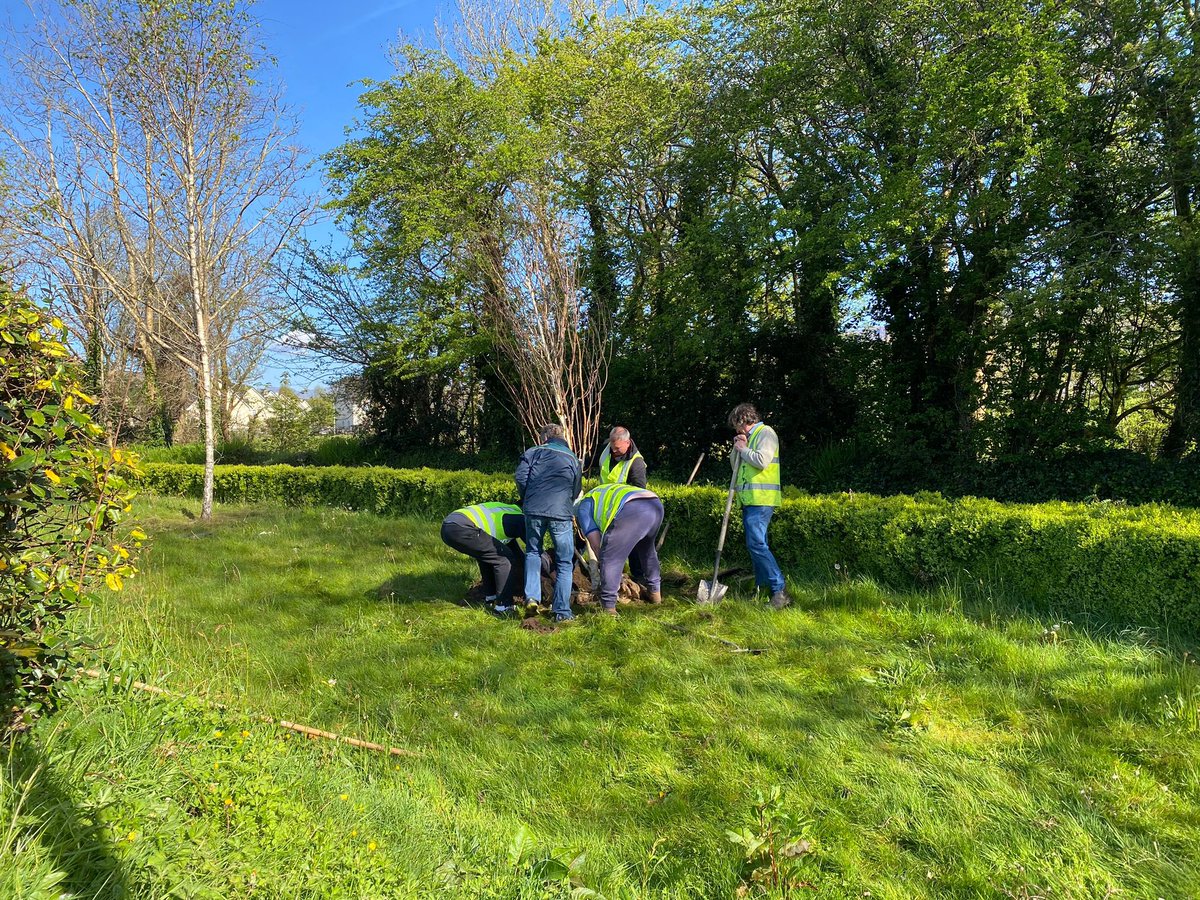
(487, 532)
(620, 522)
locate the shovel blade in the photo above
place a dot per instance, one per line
(710, 594)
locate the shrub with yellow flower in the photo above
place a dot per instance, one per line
(64, 494)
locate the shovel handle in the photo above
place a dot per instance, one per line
(724, 528)
(663, 535)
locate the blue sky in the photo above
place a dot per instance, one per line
(323, 49)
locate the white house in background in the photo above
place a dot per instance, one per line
(350, 413)
(251, 408)
(875, 332)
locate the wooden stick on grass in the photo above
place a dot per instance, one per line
(290, 726)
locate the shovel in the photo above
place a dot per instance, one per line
(710, 592)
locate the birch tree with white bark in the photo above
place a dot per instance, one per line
(157, 123)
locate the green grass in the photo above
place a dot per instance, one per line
(922, 747)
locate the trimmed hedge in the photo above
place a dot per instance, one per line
(1126, 564)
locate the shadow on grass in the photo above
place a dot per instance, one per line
(404, 588)
(73, 837)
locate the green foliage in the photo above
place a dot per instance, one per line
(1143, 432)
(292, 424)
(1125, 564)
(63, 494)
(335, 450)
(775, 843)
(1007, 188)
(422, 492)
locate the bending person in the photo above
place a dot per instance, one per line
(549, 477)
(621, 463)
(488, 533)
(620, 522)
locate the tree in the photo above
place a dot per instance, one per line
(63, 496)
(1172, 87)
(555, 342)
(155, 120)
(475, 152)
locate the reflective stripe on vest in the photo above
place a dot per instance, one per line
(618, 474)
(489, 517)
(607, 500)
(759, 487)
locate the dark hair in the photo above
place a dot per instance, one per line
(743, 414)
(549, 432)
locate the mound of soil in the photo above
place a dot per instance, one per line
(581, 589)
(538, 626)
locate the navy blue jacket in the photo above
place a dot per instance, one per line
(549, 477)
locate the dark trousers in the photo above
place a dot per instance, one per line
(631, 536)
(499, 563)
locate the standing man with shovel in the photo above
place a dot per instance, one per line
(755, 461)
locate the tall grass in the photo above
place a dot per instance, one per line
(924, 745)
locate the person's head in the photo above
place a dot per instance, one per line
(618, 439)
(742, 417)
(551, 432)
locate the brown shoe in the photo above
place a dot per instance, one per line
(780, 599)
(611, 612)
(647, 595)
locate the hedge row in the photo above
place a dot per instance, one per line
(1126, 564)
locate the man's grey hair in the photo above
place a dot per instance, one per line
(620, 433)
(549, 432)
(743, 414)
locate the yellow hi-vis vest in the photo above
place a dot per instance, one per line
(490, 517)
(617, 474)
(758, 487)
(607, 500)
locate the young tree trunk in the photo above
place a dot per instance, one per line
(199, 301)
(206, 402)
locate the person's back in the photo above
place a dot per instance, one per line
(549, 477)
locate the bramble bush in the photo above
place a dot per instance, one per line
(63, 494)
(1126, 564)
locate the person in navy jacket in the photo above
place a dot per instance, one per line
(549, 477)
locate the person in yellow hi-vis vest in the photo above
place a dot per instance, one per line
(620, 522)
(755, 459)
(620, 461)
(488, 533)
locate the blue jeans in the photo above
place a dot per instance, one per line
(767, 573)
(561, 533)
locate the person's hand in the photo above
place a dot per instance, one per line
(739, 442)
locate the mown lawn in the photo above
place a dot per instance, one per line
(920, 747)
